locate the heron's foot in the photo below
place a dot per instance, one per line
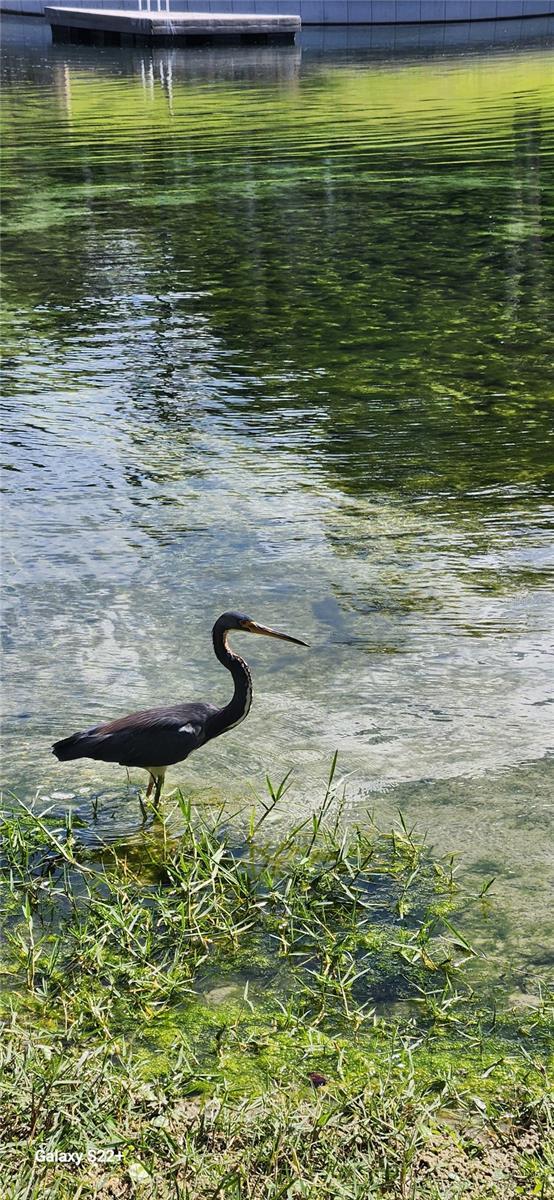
(151, 807)
(150, 812)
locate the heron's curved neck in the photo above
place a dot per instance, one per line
(239, 706)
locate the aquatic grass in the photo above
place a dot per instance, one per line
(234, 1011)
(326, 913)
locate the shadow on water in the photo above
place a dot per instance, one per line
(29, 33)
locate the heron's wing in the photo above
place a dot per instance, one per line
(154, 737)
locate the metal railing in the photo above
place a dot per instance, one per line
(153, 5)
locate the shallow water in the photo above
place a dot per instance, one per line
(278, 339)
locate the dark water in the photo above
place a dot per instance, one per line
(278, 338)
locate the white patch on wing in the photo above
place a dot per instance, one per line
(187, 729)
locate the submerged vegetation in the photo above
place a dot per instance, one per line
(224, 1012)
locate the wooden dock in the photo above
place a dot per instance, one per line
(105, 26)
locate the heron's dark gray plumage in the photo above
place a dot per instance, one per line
(155, 738)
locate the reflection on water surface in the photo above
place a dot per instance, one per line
(278, 339)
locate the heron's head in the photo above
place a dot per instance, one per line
(235, 620)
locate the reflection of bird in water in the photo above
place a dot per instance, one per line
(157, 737)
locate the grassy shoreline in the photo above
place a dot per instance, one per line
(234, 1014)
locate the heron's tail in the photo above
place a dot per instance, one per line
(70, 747)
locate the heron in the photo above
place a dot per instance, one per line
(156, 738)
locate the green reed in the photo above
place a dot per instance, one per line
(239, 1012)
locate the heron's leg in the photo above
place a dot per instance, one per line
(159, 786)
(143, 808)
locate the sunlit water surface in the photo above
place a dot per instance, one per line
(278, 339)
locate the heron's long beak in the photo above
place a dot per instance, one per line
(253, 627)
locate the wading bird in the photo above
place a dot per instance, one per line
(155, 738)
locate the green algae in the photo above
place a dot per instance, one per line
(323, 974)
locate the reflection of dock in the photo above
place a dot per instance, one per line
(127, 26)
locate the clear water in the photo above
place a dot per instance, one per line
(278, 330)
